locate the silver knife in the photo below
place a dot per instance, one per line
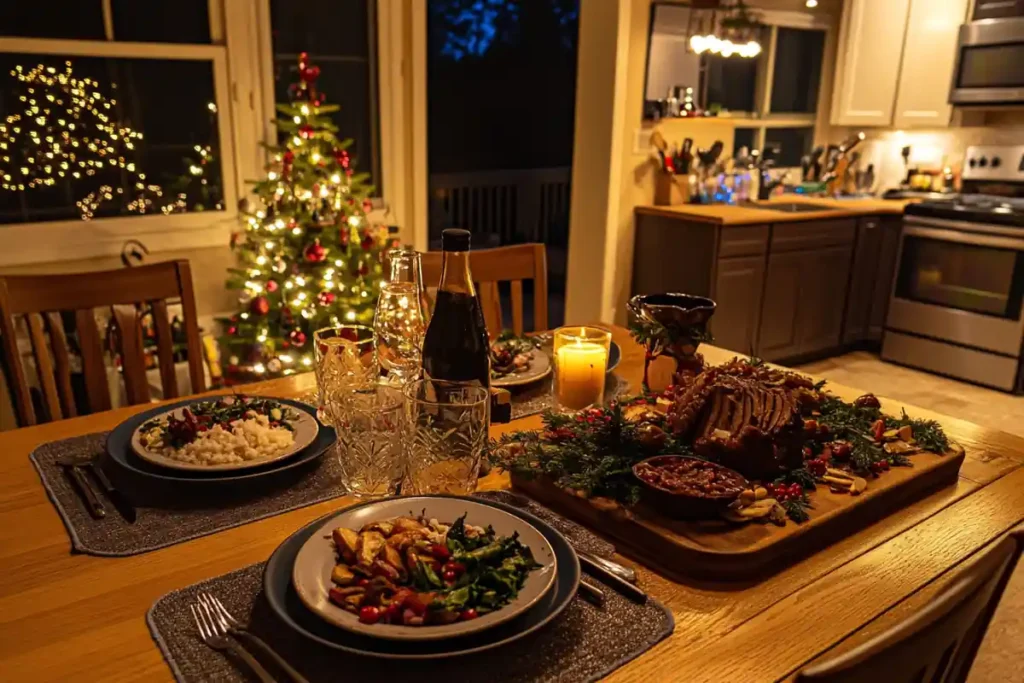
(83, 488)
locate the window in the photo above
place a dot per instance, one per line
(111, 108)
(772, 97)
(340, 39)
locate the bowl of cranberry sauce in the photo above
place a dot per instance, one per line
(685, 487)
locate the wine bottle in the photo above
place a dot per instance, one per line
(456, 347)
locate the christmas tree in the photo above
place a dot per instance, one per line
(309, 258)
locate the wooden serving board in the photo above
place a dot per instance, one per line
(716, 549)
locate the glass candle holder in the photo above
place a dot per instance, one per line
(580, 359)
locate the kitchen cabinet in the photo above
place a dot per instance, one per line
(778, 336)
(888, 254)
(823, 299)
(929, 54)
(737, 291)
(895, 62)
(867, 73)
(862, 280)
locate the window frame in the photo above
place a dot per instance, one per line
(67, 240)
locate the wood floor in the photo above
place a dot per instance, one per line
(1003, 648)
(986, 407)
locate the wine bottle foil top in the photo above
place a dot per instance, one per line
(455, 239)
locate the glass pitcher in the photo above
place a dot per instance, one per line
(400, 321)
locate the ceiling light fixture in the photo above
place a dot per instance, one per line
(811, 4)
(736, 33)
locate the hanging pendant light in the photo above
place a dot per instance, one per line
(734, 34)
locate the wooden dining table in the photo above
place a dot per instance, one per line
(68, 617)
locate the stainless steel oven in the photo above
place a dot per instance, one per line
(989, 63)
(957, 305)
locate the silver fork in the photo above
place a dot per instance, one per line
(237, 629)
(214, 634)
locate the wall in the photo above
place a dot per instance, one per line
(936, 148)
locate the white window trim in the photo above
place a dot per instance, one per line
(54, 241)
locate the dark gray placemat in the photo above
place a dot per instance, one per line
(585, 643)
(175, 516)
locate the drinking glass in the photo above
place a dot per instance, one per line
(345, 365)
(399, 322)
(446, 424)
(580, 360)
(369, 448)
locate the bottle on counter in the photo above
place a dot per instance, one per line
(456, 347)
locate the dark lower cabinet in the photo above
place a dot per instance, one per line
(887, 256)
(779, 336)
(823, 290)
(862, 280)
(737, 290)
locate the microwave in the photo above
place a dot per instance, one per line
(989, 60)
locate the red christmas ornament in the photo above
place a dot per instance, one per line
(272, 286)
(341, 156)
(314, 253)
(310, 73)
(232, 330)
(297, 337)
(367, 242)
(303, 59)
(367, 205)
(260, 305)
(288, 156)
(348, 172)
(305, 131)
(363, 269)
(325, 298)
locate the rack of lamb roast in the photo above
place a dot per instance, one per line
(746, 417)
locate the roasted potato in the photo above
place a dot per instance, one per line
(343, 575)
(347, 542)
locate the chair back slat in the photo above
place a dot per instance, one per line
(165, 349)
(13, 370)
(188, 310)
(504, 264)
(62, 363)
(939, 642)
(44, 364)
(133, 360)
(517, 306)
(97, 388)
(491, 304)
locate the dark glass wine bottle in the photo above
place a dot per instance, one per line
(456, 347)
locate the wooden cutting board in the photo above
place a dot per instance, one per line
(715, 549)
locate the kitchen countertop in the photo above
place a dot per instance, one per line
(725, 214)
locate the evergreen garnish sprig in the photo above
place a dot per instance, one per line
(593, 451)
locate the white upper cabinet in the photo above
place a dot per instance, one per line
(928, 56)
(868, 62)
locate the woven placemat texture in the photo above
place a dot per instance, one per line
(584, 643)
(176, 515)
(536, 398)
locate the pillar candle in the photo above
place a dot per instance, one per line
(579, 374)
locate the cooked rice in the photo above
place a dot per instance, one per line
(249, 439)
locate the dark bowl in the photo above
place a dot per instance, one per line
(673, 310)
(683, 506)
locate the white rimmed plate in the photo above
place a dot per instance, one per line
(311, 574)
(304, 425)
(538, 369)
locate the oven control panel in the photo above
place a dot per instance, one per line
(994, 162)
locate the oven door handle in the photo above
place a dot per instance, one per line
(972, 238)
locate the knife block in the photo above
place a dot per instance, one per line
(671, 189)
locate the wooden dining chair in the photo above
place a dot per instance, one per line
(511, 264)
(938, 643)
(40, 299)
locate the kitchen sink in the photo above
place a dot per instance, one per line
(789, 207)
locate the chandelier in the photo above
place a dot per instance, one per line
(726, 30)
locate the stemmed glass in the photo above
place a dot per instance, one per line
(345, 365)
(400, 322)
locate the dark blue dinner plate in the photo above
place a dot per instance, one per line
(119, 449)
(285, 602)
(614, 356)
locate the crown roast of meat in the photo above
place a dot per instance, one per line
(744, 417)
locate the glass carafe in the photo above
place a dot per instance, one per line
(400, 320)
